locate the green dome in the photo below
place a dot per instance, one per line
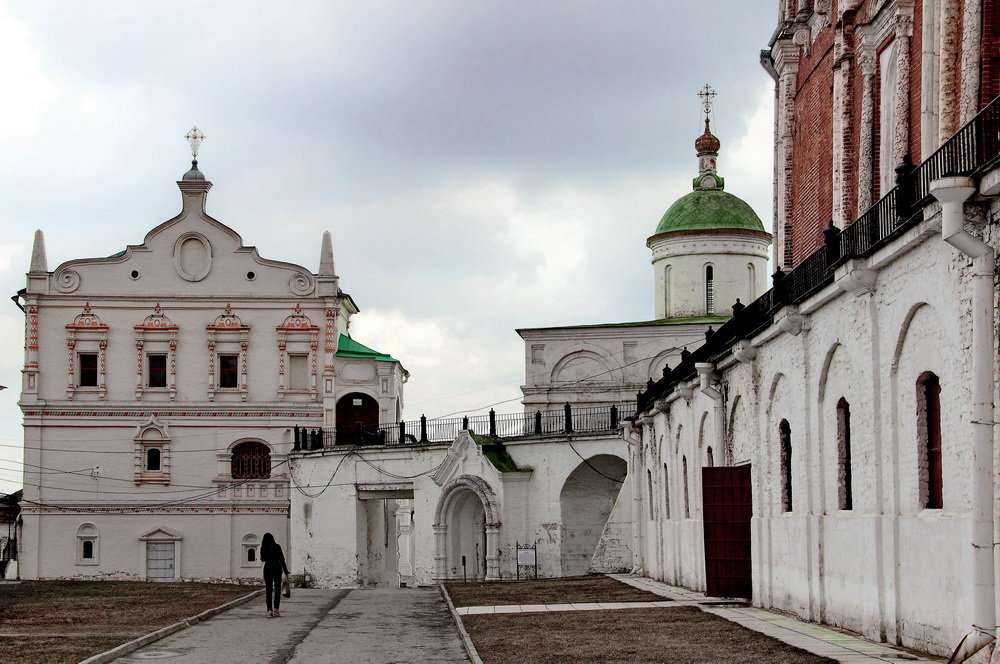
(709, 209)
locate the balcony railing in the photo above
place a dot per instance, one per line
(972, 150)
(567, 420)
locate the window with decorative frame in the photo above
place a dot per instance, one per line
(87, 549)
(298, 341)
(156, 355)
(251, 460)
(152, 453)
(87, 343)
(251, 551)
(228, 344)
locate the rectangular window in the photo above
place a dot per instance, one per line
(88, 369)
(298, 371)
(157, 368)
(229, 366)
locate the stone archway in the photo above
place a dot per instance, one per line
(587, 498)
(466, 523)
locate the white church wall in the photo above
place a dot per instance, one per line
(886, 567)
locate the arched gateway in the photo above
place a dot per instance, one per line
(467, 525)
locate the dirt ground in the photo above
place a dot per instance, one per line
(670, 635)
(565, 590)
(51, 622)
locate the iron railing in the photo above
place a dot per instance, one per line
(567, 420)
(970, 151)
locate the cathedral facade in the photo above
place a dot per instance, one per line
(173, 373)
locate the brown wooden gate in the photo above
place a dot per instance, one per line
(727, 511)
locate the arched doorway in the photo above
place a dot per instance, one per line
(357, 419)
(466, 527)
(587, 498)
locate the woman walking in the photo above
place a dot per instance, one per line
(274, 567)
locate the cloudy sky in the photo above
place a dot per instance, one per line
(482, 165)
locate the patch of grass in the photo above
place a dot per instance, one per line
(90, 617)
(667, 635)
(565, 590)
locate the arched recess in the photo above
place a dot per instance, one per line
(824, 374)
(357, 418)
(467, 523)
(671, 356)
(586, 500)
(586, 365)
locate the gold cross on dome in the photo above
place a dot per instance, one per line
(707, 95)
(195, 137)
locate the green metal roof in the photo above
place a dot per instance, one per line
(348, 347)
(709, 209)
(497, 454)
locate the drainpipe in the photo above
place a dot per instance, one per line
(953, 192)
(711, 390)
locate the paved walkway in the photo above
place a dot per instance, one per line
(320, 627)
(819, 640)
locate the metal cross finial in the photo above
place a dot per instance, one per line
(195, 137)
(707, 95)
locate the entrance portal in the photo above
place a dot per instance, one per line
(466, 531)
(357, 419)
(727, 510)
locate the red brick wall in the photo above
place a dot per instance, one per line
(811, 185)
(990, 72)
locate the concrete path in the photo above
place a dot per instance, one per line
(320, 627)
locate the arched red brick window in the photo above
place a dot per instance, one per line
(929, 441)
(785, 443)
(251, 460)
(845, 490)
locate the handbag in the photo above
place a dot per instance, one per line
(286, 588)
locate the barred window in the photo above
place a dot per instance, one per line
(709, 290)
(251, 460)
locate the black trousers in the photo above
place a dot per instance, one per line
(272, 584)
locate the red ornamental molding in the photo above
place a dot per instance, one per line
(87, 320)
(175, 413)
(298, 321)
(156, 321)
(154, 510)
(228, 321)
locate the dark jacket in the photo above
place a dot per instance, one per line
(274, 560)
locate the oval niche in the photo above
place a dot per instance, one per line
(192, 257)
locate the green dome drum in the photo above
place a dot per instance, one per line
(709, 209)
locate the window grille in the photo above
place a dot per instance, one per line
(251, 460)
(709, 290)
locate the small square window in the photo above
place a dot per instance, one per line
(157, 366)
(228, 369)
(88, 369)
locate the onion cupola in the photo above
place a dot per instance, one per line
(710, 247)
